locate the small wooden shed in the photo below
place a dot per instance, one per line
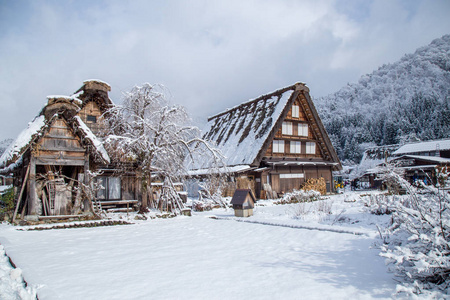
(243, 202)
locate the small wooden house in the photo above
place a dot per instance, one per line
(55, 155)
(243, 202)
(275, 143)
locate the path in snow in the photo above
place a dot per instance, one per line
(319, 228)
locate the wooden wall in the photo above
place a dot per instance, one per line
(59, 146)
(295, 137)
(92, 109)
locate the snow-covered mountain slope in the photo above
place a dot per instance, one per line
(405, 100)
(4, 144)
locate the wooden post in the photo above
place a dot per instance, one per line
(32, 187)
(86, 169)
(24, 183)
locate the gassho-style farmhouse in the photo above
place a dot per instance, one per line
(276, 141)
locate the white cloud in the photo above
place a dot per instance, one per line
(210, 54)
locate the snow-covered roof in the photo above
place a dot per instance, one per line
(423, 147)
(22, 142)
(92, 138)
(240, 132)
(72, 99)
(434, 159)
(222, 170)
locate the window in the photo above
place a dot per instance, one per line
(92, 119)
(292, 175)
(310, 148)
(295, 111)
(278, 146)
(302, 129)
(296, 147)
(287, 128)
(111, 188)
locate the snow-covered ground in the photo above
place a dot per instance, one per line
(200, 257)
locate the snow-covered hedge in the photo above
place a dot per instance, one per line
(298, 196)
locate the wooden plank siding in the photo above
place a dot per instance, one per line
(92, 109)
(59, 146)
(295, 137)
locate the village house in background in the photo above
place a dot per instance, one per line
(274, 143)
(53, 159)
(421, 161)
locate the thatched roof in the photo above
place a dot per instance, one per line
(94, 90)
(57, 106)
(240, 132)
(243, 133)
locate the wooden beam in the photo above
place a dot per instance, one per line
(60, 162)
(65, 149)
(24, 183)
(32, 187)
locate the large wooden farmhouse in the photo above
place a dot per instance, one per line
(53, 157)
(277, 141)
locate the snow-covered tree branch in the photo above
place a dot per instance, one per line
(419, 237)
(149, 134)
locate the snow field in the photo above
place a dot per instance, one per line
(201, 258)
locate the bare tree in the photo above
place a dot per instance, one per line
(150, 135)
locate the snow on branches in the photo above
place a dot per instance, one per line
(418, 241)
(150, 135)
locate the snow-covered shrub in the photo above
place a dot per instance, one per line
(324, 206)
(299, 196)
(418, 241)
(7, 200)
(381, 204)
(203, 205)
(211, 189)
(318, 210)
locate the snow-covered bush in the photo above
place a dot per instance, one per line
(418, 241)
(7, 199)
(318, 210)
(299, 196)
(381, 204)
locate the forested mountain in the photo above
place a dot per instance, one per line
(4, 144)
(400, 102)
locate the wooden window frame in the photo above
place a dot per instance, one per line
(295, 111)
(310, 148)
(278, 145)
(106, 191)
(303, 129)
(286, 128)
(91, 119)
(295, 147)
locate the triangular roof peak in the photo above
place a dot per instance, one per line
(244, 132)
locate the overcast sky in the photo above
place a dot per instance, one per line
(211, 55)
